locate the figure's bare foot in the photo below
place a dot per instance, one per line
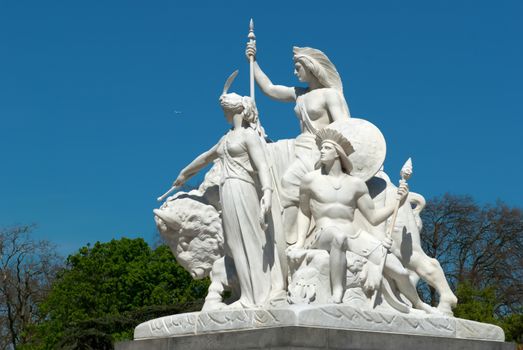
(337, 297)
(331, 300)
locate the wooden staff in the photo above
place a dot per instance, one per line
(405, 174)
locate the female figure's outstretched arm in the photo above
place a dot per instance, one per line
(277, 92)
(196, 165)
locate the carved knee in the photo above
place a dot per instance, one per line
(338, 239)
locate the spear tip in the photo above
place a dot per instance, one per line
(406, 170)
(251, 30)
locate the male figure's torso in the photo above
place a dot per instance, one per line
(333, 200)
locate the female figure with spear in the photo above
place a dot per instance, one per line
(317, 105)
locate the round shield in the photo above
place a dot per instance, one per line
(368, 143)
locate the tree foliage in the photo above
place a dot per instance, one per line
(476, 304)
(480, 245)
(27, 270)
(103, 291)
(480, 248)
(107, 289)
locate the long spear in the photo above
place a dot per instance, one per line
(405, 174)
(252, 42)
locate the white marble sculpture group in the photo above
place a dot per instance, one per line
(307, 232)
(311, 220)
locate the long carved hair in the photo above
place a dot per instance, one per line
(320, 66)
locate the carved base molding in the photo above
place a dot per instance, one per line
(344, 320)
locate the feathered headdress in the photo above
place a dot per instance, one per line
(343, 146)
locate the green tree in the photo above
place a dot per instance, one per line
(108, 288)
(476, 304)
(513, 326)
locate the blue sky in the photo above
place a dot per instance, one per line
(103, 102)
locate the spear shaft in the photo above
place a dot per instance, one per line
(252, 41)
(406, 172)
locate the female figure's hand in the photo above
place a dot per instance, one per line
(265, 206)
(180, 180)
(250, 51)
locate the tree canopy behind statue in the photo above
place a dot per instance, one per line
(109, 287)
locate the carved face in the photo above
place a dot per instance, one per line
(302, 72)
(327, 152)
(231, 104)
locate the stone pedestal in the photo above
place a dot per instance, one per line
(309, 338)
(314, 327)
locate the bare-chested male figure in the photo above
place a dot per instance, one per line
(330, 195)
